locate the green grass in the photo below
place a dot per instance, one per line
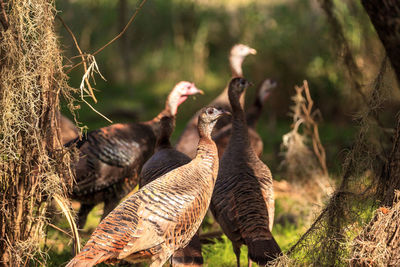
(221, 254)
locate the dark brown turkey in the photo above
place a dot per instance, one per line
(243, 202)
(112, 157)
(164, 160)
(68, 129)
(163, 215)
(188, 140)
(253, 114)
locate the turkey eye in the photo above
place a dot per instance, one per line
(210, 111)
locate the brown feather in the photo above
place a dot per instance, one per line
(164, 160)
(242, 201)
(163, 215)
(111, 157)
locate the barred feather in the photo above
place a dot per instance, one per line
(242, 201)
(163, 215)
(164, 160)
(112, 157)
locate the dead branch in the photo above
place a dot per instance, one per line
(88, 72)
(311, 126)
(115, 38)
(82, 56)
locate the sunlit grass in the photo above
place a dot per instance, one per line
(221, 254)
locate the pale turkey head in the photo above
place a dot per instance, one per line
(180, 93)
(208, 118)
(266, 89)
(242, 51)
(238, 53)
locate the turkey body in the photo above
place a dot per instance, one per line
(253, 114)
(242, 201)
(162, 161)
(222, 137)
(111, 157)
(163, 215)
(109, 165)
(188, 140)
(68, 130)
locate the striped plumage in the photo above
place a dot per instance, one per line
(111, 157)
(242, 201)
(163, 215)
(165, 159)
(188, 140)
(253, 114)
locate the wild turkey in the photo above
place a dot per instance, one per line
(163, 215)
(253, 114)
(164, 160)
(242, 201)
(111, 157)
(188, 140)
(68, 129)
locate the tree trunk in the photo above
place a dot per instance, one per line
(384, 15)
(32, 160)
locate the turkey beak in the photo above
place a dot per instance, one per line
(225, 113)
(194, 90)
(253, 51)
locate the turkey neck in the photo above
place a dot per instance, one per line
(207, 154)
(235, 63)
(163, 141)
(155, 123)
(239, 140)
(236, 69)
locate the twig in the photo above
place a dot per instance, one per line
(305, 235)
(88, 72)
(317, 145)
(115, 38)
(74, 229)
(303, 114)
(92, 68)
(59, 229)
(81, 55)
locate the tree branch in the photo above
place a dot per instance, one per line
(115, 38)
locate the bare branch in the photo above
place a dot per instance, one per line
(115, 38)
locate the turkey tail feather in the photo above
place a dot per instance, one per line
(263, 251)
(87, 259)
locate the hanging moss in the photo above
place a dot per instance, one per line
(33, 165)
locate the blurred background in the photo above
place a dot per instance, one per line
(176, 40)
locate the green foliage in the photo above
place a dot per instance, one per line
(189, 40)
(221, 254)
